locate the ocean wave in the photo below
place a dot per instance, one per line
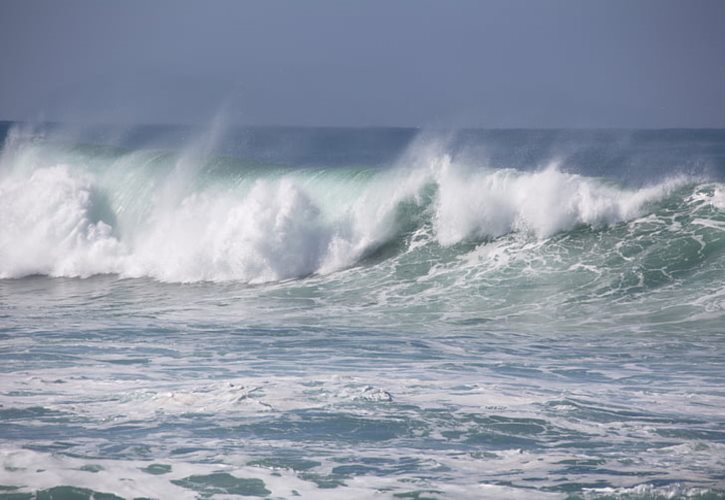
(142, 214)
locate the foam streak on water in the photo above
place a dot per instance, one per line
(189, 325)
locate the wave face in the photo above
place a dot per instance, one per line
(77, 211)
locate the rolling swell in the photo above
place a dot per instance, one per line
(77, 212)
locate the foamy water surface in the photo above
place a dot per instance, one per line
(194, 323)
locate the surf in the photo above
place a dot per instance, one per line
(189, 216)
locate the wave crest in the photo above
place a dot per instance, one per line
(475, 205)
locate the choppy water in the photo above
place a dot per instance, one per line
(365, 313)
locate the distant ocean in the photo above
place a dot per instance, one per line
(361, 313)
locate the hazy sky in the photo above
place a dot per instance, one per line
(535, 63)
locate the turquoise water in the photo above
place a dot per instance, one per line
(363, 313)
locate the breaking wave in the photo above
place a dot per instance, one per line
(178, 218)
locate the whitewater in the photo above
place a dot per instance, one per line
(384, 313)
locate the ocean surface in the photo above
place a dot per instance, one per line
(361, 313)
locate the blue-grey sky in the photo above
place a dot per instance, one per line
(501, 63)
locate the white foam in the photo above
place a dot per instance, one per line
(47, 226)
(474, 204)
(718, 198)
(273, 233)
